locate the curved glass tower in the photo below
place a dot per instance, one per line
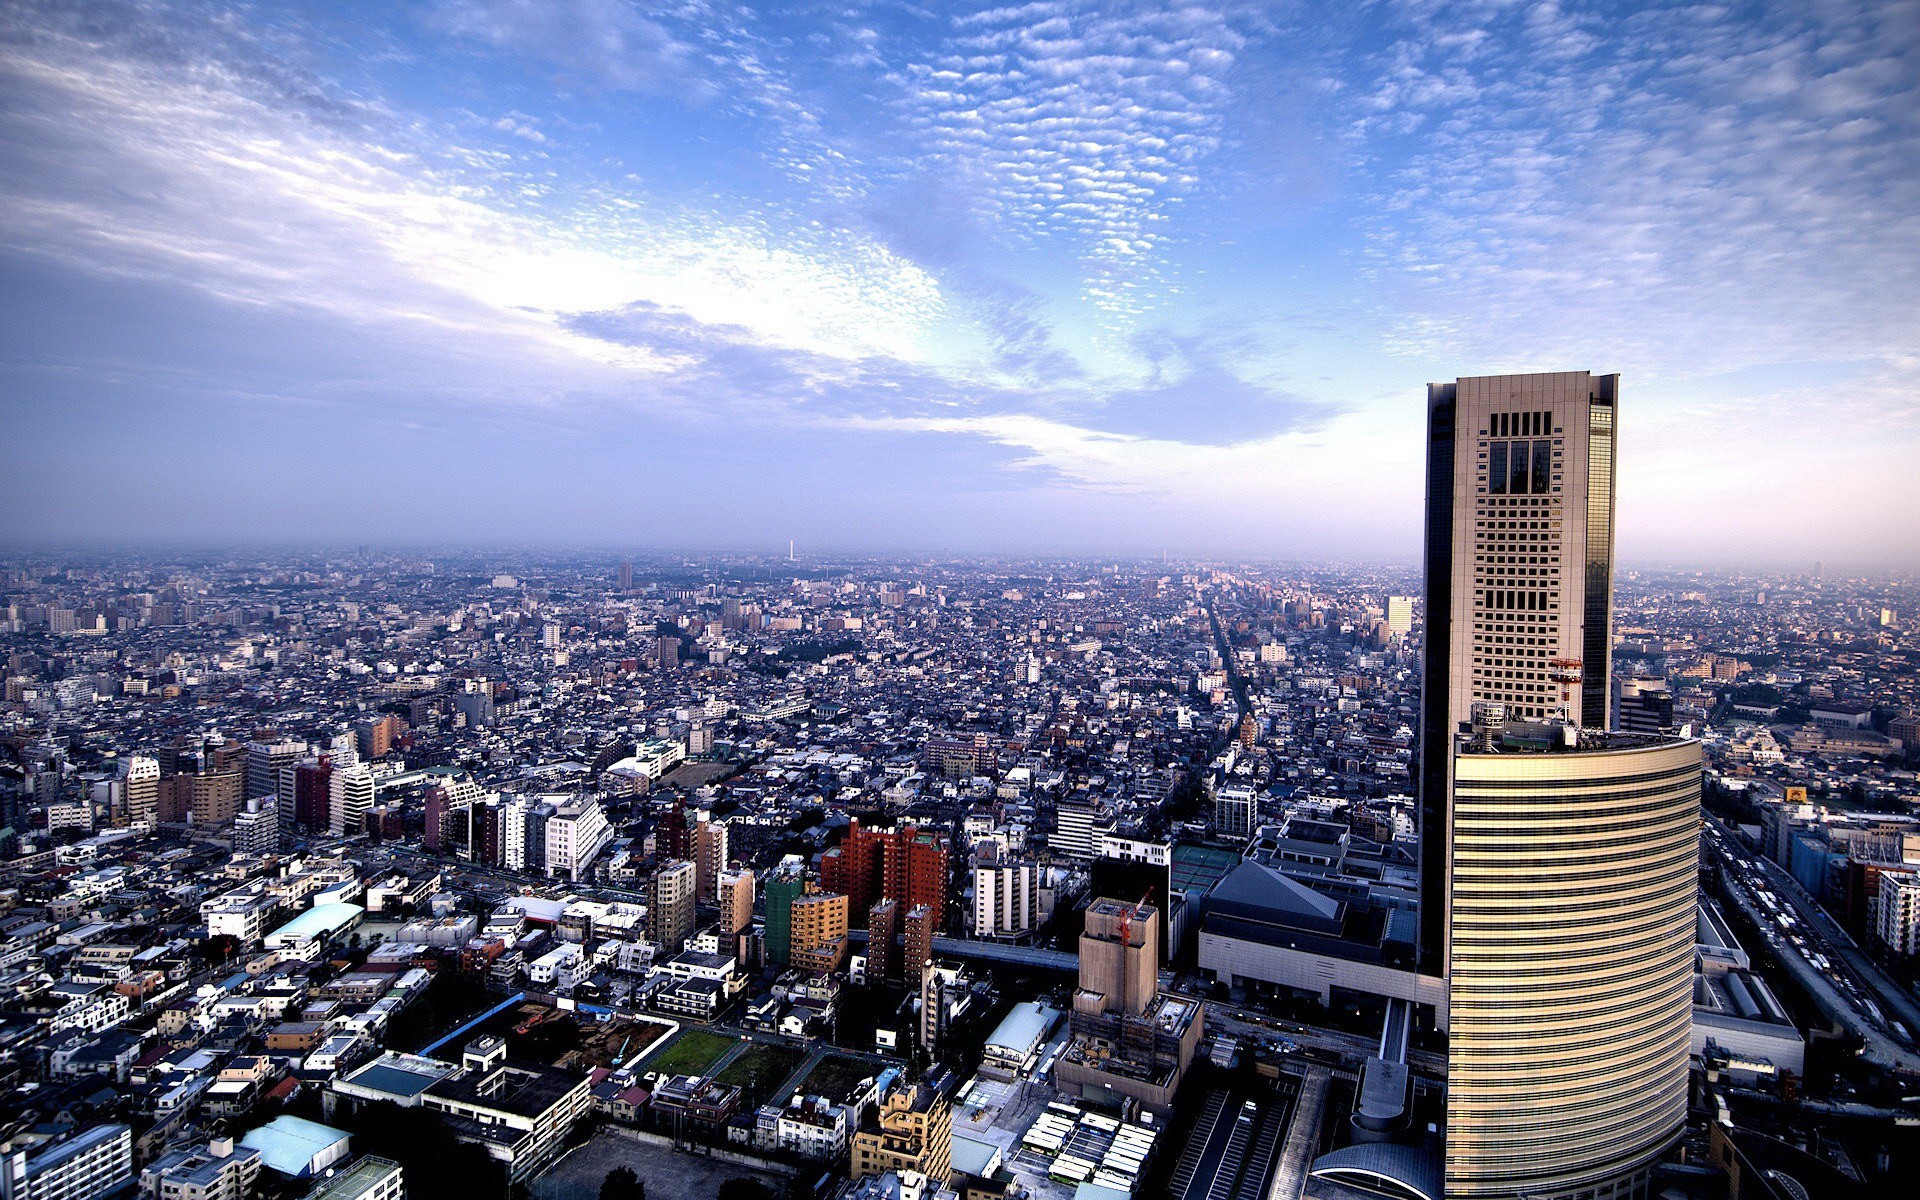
(1570, 944)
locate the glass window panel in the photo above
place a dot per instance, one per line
(1542, 466)
(1497, 470)
(1517, 458)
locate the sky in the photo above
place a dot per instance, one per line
(1053, 277)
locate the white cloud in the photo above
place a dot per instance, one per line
(181, 170)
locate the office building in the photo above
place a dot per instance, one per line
(1399, 616)
(1642, 706)
(1570, 947)
(670, 898)
(574, 832)
(1077, 828)
(1519, 572)
(266, 759)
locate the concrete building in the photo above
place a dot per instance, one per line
(1006, 897)
(350, 795)
(142, 776)
(709, 856)
(670, 904)
(576, 832)
(1898, 922)
(736, 899)
(819, 938)
(910, 1130)
(88, 1165)
(1236, 811)
(219, 1170)
(369, 1178)
(1130, 1041)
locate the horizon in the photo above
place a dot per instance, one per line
(1071, 278)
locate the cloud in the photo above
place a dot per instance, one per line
(1081, 124)
(599, 43)
(187, 167)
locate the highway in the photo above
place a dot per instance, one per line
(1814, 950)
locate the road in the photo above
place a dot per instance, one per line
(1819, 935)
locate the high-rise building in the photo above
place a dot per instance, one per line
(819, 940)
(256, 828)
(1235, 810)
(1077, 826)
(1897, 915)
(626, 574)
(736, 900)
(670, 904)
(266, 758)
(1569, 948)
(350, 795)
(905, 864)
(1519, 571)
(883, 950)
(1642, 706)
(918, 928)
(143, 791)
(783, 887)
(1006, 897)
(1399, 616)
(312, 794)
(709, 855)
(1558, 860)
(575, 831)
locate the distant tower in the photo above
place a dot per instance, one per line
(626, 574)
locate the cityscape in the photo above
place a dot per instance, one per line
(607, 601)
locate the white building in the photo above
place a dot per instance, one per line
(350, 796)
(85, 1166)
(1006, 899)
(1236, 810)
(575, 833)
(1899, 919)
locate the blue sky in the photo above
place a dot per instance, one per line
(1052, 277)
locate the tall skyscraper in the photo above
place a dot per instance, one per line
(1519, 567)
(143, 791)
(1557, 859)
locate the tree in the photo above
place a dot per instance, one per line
(622, 1184)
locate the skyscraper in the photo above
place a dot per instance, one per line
(1519, 571)
(1557, 860)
